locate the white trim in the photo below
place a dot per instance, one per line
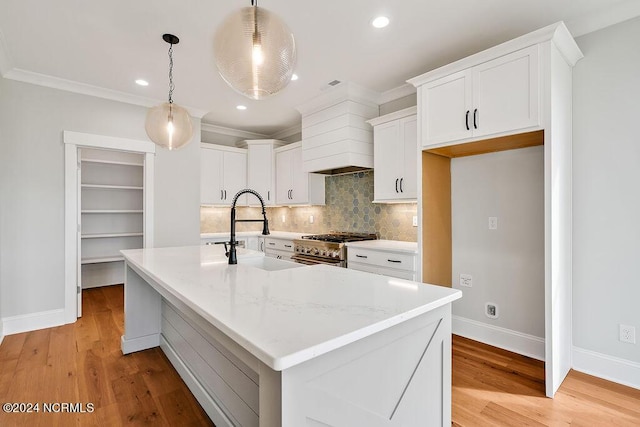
(1, 330)
(33, 321)
(221, 130)
(73, 141)
(396, 115)
(508, 339)
(396, 93)
(139, 343)
(87, 89)
(108, 142)
(607, 367)
(339, 93)
(290, 131)
(604, 17)
(202, 396)
(6, 64)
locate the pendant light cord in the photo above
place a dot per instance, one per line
(171, 85)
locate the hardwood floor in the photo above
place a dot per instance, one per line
(82, 363)
(494, 387)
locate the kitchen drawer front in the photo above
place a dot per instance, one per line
(278, 244)
(275, 253)
(400, 274)
(393, 260)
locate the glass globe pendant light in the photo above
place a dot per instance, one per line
(168, 124)
(255, 52)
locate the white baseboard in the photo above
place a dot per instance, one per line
(517, 342)
(610, 368)
(139, 344)
(32, 322)
(1, 331)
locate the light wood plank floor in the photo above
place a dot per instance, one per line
(82, 362)
(494, 387)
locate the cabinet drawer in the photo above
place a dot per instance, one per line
(381, 259)
(279, 244)
(400, 274)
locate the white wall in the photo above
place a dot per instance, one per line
(507, 264)
(606, 201)
(32, 119)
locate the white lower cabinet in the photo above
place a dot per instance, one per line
(402, 265)
(278, 248)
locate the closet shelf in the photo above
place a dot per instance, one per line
(111, 187)
(111, 211)
(112, 162)
(97, 260)
(110, 235)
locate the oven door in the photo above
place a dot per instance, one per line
(311, 260)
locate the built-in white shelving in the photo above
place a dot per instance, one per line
(111, 210)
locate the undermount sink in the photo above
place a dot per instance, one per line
(268, 263)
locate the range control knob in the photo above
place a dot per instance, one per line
(316, 251)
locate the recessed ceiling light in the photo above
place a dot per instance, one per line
(141, 82)
(294, 77)
(241, 107)
(380, 22)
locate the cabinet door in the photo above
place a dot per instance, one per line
(505, 93)
(260, 172)
(387, 172)
(211, 177)
(446, 109)
(283, 177)
(235, 176)
(299, 178)
(409, 162)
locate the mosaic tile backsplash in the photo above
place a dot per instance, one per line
(348, 208)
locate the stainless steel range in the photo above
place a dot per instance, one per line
(326, 248)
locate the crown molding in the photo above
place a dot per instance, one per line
(87, 89)
(396, 93)
(290, 131)
(6, 63)
(237, 133)
(604, 17)
(343, 91)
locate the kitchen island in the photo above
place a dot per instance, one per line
(271, 343)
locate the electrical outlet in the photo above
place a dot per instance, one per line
(628, 334)
(491, 310)
(493, 223)
(415, 220)
(466, 280)
(284, 218)
(310, 219)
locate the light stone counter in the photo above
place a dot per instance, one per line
(294, 332)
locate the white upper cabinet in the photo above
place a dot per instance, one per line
(223, 172)
(293, 185)
(395, 141)
(261, 169)
(498, 97)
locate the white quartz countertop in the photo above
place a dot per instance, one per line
(275, 234)
(386, 245)
(289, 316)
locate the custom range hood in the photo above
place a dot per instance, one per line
(336, 137)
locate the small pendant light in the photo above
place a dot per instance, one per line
(168, 124)
(255, 52)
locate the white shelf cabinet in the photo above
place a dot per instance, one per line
(111, 213)
(261, 169)
(496, 98)
(395, 141)
(223, 172)
(293, 185)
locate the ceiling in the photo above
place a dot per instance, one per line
(101, 47)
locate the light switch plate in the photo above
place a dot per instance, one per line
(466, 280)
(415, 220)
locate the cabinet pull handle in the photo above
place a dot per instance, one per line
(475, 115)
(287, 246)
(397, 261)
(272, 243)
(268, 195)
(361, 256)
(401, 190)
(262, 246)
(291, 194)
(396, 185)
(466, 120)
(221, 195)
